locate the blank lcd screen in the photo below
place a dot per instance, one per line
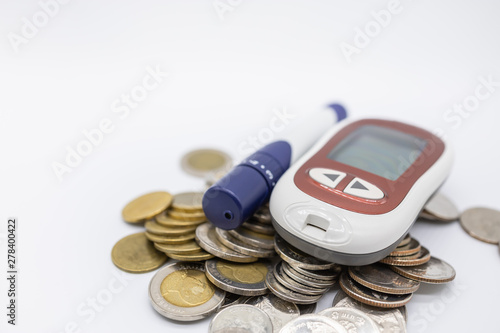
(382, 151)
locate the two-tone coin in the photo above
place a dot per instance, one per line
(136, 254)
(181, 291)
(203, 162)
(440, 208)
(247, 279)
(146, 206)
(189, 202)
(387, 320)
(236, 245)
(253, 238)
(297, 258)
(287, 294)
(381, 278)
(279, 311)
(433, 271)
(370, 296)
(352, 319)
(206, 238)
(482, 223)
(313, 323)
(241, 318)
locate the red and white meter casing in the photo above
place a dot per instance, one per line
(355, 194)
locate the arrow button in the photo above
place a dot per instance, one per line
(363, 189)
(327, 177)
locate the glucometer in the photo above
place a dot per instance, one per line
(354, 195)
(236, 196)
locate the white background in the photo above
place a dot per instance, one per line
(226, 76)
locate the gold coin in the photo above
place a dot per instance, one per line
(146, 206)
(186, 248)
(158, 229)
(202, 162)
(167, 221)
(170, 239)
(197, 256)
(135, 254)
(189, 202)
(187, 288)
(243, 273)
(191, 217)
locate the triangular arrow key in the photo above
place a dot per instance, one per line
(332, 177)
(359, 186)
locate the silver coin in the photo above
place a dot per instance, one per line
(313, 323)
(253, 238)
(279, 311)
(371, 297)
(352, 319)
(247, 279)
(405, 240)
(482, 223)
(263, 215)
(387, 320)
(421, 257)
(411, 248)
(289, 283)
(433, 271)
(297, 258)
(180, 291)
(307, 308)
(441, 208)
(207, 240)
(203, 162)
(233, 299)
(327, 274)
(241, 318)
(259, 227)
(235, 244)
(287, 294)
(295, 275)
(381, 278)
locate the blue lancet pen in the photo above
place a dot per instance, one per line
(235, 197)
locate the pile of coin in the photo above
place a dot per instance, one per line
(300, 278)
(170, 223)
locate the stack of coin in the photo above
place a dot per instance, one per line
(300, 278)
(245, 244)
(392, 282)
(173, 231)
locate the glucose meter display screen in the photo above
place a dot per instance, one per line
(380, 150)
